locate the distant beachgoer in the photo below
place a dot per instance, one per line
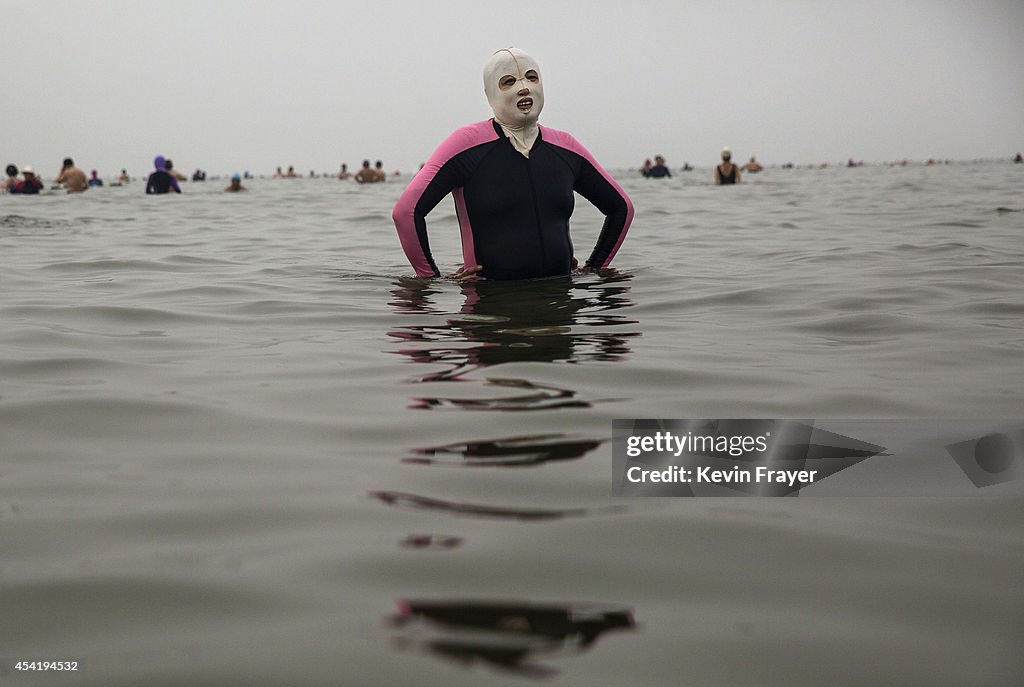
(645, 168)
(1019, 158)
(173, 172)
(72, 177)
(658, 170)
(161, 181)
(94, 179)
(291, 172)
(727, 173)
(279, 174)
(343, 172)
(513, 182)
(30, 184)
(687, 167)
(125, 178)
(12, 179)
(198, 175)
(367, 174)
(378, 169)
(236, 184)
(753, 165)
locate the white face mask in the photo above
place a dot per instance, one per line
(514, 89)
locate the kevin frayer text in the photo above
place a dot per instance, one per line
(707, 475)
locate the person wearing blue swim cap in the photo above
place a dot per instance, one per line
(236, 184)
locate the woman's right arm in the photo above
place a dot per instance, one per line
(442, 173)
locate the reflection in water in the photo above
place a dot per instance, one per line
(541, 397)
(508, 452)
(566, 319)
(505, 635)
(434, 542)
(415, 502)
(527, 321)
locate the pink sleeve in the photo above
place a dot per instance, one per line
(425, 191)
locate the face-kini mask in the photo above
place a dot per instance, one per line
(516, 98)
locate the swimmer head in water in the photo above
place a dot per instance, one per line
(515, 92)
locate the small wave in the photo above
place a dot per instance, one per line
(197, 260)
(958, 224)
(55, 366)
(93, 314)
(23, 221)
(108, 265)
(864, 327)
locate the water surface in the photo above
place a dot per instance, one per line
(240, 445)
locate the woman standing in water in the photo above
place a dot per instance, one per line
(727, 173)
(513, 182)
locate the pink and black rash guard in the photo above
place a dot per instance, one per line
(513, 210)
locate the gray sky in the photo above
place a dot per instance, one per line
(228, 86)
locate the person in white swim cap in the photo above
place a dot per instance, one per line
(513, 182)
(727, 173)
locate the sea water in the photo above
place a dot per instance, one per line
(239, 444)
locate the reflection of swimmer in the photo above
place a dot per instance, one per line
(236, 184)
(512, 181)
(543, 320)
(753, 166)
(510, 636)
(508, 452)
(161, 181)
(727, 173)
(659, 169)
(72, 177)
